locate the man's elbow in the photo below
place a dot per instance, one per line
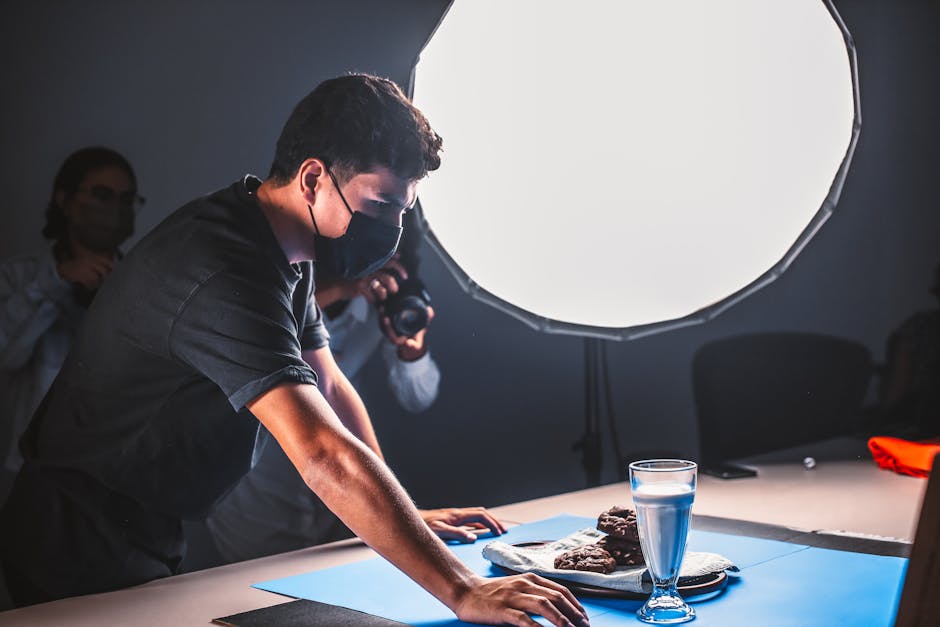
(333, 462)
(328, 387)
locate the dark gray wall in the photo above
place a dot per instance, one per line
(511, 398)
(195, 95)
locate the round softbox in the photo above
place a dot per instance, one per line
(614, 168)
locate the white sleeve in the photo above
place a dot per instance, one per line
(31, 292)
(414, 383)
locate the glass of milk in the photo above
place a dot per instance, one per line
(663, 491)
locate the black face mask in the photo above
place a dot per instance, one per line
(366, 246)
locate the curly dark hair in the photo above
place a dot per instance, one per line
(71, 174)
(354, 123)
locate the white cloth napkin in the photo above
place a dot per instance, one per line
(541, 561)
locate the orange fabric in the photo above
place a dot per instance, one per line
(904, 456)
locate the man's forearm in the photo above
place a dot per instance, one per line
(367, 497)
(350, 409)
(359, 488)
(414, 384)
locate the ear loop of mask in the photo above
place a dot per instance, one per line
(338, 191)
(314, 220)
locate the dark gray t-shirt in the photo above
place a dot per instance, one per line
(202, 316)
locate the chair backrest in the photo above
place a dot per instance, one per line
(767, 391)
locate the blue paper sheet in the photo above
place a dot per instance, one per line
(780, 584)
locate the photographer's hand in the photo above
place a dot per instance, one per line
(377, 286)
(409, 348)
(88, 269)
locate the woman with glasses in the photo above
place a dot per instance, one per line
(44, 296)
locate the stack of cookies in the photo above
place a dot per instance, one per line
(620, 547)
(623, 540)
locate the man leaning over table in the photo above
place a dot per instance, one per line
(241, 525)
(208, 330)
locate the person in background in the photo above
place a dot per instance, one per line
(271, 510)
(206, 332)
(44, 296)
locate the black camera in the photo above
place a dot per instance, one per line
(407, 309)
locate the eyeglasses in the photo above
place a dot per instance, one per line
(108, 196)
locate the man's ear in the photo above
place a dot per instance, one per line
(310, 177)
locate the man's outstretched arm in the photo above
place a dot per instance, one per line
(462, 524)
(359, 488)
(342, 397)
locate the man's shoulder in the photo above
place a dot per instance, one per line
(24, 267)
(219, 229)
(217, 209)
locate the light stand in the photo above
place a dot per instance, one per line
(596, 392)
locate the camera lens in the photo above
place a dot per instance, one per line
(407, 309)
(411, 316)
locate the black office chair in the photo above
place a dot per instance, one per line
(767, 391)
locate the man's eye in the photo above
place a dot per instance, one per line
(387, 208)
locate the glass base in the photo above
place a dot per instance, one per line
(665, 608)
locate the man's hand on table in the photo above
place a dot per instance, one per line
(503, 600)
(461, 523)
(510, 600)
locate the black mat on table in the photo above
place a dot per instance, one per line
(303, 613)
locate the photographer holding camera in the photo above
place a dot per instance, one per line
(390, 304)
(271, 510)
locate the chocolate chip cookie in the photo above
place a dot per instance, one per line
(619, 522)
(590, 557)
(625, 553)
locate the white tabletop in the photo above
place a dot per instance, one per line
(845, 493)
